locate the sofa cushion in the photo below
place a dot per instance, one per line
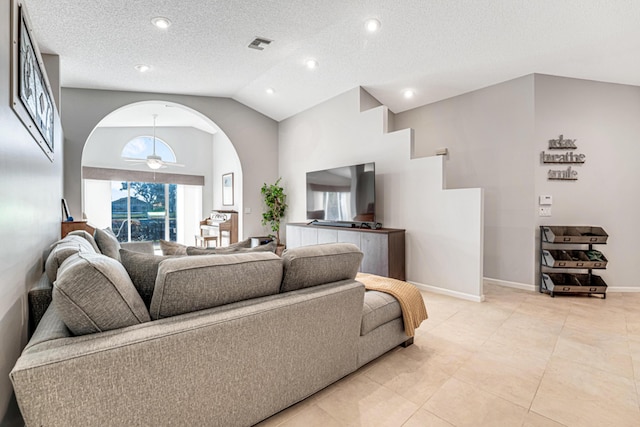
(86, 236)
(379, 308)
(108, 243)
(186, 284)
(142, 269)
(63, 249)
(269, 247)
(314, 265)
(93, 293)
(172, 248)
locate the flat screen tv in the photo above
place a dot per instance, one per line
(344, 194)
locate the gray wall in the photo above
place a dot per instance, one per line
(495, 136)
(30, 217)
(489, 135)
(604, 119)
(254, 136)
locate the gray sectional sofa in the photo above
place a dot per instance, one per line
(219, 340)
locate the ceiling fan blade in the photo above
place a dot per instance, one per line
(173, 164)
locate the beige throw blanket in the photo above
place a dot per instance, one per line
(409, 297)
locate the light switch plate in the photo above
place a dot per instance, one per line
(544, 211)
(545, 200)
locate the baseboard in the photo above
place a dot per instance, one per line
(532, 288)
(442, 291)
(508, 284)
(622, 289)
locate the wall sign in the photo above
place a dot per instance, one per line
(568, 157)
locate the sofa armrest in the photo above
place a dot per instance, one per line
(39, 300)
(272, 353)
(142, 247)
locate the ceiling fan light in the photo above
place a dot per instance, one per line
(154, 162)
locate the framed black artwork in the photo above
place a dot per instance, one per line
(31, 96)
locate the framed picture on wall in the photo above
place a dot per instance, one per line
(227, 189)
(31, 96)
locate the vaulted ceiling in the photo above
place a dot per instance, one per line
(437, 48)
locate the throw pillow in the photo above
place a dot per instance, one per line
(108, 243)
(93, 293)
(232, 248)
(86, 236)
(63, 249)
(246, 243)
(142, 269)
(269, 247)
(314, 265)
(186, 284)
(172, 248)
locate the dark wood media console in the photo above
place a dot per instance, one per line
(383, 248)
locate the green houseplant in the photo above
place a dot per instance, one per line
(275, 201)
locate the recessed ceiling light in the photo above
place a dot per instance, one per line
(408, 94)
(143, 68)
(312, 63)
(161, 22)
(270, 91)
(372, 25)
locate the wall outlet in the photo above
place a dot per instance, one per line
(247, 210)
(544, 211)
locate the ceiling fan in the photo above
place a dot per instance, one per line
(153, 161)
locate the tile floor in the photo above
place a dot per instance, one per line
(518, 359)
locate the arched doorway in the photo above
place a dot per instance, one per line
(172, 198)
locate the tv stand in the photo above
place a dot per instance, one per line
(383, 248)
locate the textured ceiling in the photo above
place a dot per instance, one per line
(439, 48)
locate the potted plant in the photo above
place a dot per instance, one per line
(275, 201)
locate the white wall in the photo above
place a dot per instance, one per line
(489, 135)
(192, 147)
(30, 216)
(604, 119)
(254, 136)
(443, 228)
(225, 160)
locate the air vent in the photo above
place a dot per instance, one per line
(259, 43)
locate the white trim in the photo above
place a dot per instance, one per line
(456, 294)
(622, 289)
(506, 283)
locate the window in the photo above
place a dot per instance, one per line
(143, 211)
(142, 146)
